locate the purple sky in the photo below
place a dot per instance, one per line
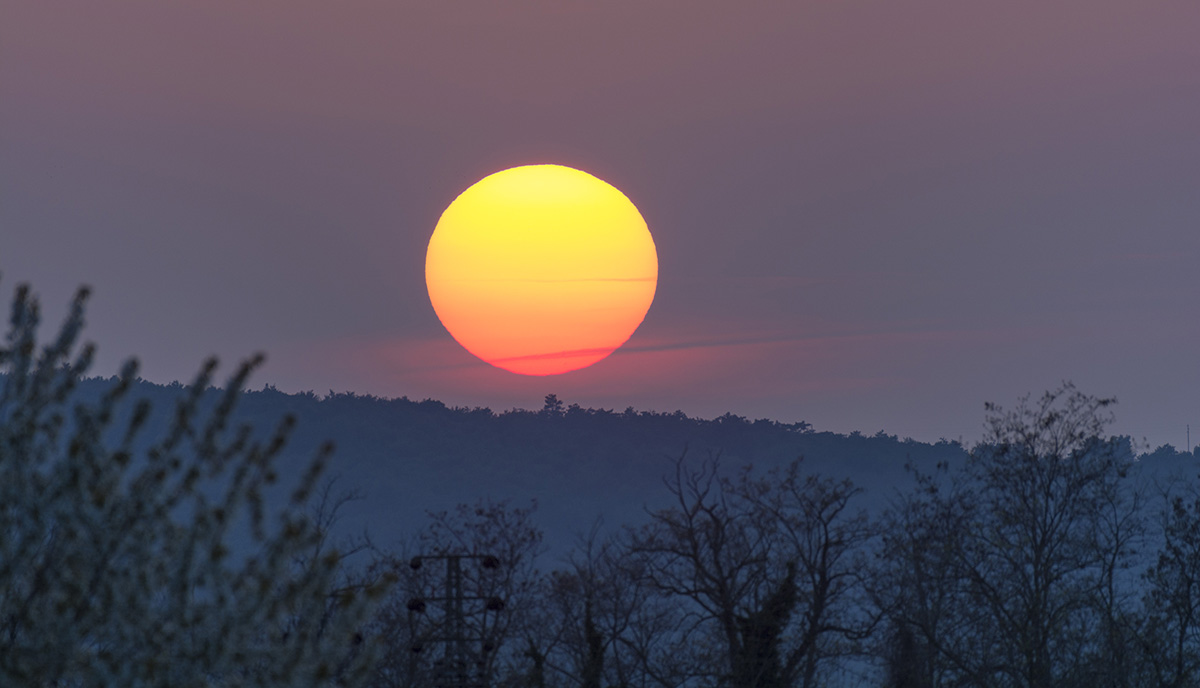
(869, 215)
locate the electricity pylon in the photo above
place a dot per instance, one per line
(464, 662)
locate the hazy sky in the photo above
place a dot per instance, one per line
(869, 215)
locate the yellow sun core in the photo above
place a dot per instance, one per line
(541, 269)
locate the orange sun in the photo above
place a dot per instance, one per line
(541, 269)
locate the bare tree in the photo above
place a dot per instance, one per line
(917, 586)
(1008, 570)
(1114, 660)
(764, 567)
(604, 625)
(1170, 636)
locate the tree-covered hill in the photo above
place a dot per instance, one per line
(407, 457)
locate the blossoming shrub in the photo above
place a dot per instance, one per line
(117, 566)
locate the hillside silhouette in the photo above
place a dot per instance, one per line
(406, 457)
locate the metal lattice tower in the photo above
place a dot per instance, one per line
(464, 652)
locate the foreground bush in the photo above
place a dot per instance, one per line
(118, 563)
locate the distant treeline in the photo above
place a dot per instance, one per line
(422, 455)
(373, 425)
(407, 457)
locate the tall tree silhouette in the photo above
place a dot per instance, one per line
(1002, 567)
(593, 667)
(1171, 633)
(766, 565)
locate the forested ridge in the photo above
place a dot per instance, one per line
(407, 456)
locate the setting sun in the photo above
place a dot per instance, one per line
(541, 269)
